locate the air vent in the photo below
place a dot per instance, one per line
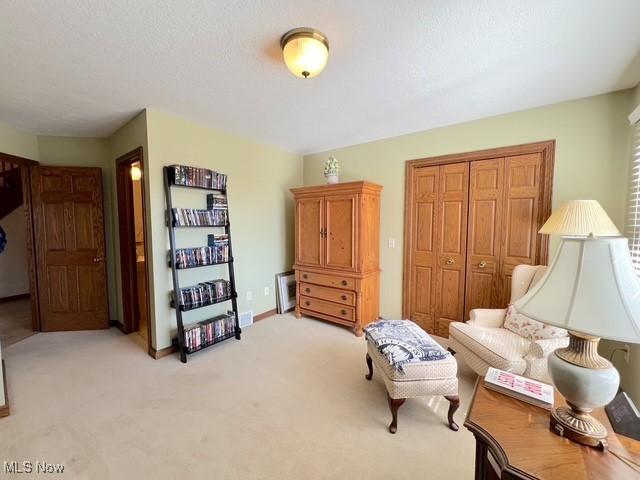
(246, 318)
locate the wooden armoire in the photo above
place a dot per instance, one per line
(337, 249)
(469, 220)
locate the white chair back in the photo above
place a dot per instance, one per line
(523, 278)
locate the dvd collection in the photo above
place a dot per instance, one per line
(207, 332)
(216, 201)
(198, 177)
(193, 217)
(205, 293)
(216, 252)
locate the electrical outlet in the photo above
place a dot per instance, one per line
(627, 352)
(392, 243)
(266, 291)
(249, 295)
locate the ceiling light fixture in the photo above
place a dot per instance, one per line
(305, 51)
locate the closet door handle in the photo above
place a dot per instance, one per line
(450, 261)
(482, 264)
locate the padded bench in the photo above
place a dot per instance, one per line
(417, 379)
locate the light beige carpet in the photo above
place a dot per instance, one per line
(15, 321)
(289, 401)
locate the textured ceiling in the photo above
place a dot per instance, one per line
(83, 68)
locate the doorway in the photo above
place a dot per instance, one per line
(18, 296)
(130, 171)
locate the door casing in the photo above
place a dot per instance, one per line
(126, 226)
(25, 177)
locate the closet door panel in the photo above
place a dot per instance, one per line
(522, 207)
(423, 254)
(484, 247)
(452, 244)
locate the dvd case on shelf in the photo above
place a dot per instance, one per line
(202, 294)
(208, 332)
(216, 252)
(198, 177)
(194, 217)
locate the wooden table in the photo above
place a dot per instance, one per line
(513, 441)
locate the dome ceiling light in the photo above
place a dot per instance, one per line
(305, 51)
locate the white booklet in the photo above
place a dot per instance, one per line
(521, 388)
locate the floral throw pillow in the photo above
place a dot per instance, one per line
(529, 328)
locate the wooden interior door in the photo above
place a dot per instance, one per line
(309, 229)
(70, 251)
(453, 196)
(423, 244)
(484, 238)
(522, 217)
(340, 232)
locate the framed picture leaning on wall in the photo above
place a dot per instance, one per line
(285, 291)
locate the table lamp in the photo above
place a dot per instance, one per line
(590, 289)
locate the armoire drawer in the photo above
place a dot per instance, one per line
(336, 281)
(326, 293)
(328, 308)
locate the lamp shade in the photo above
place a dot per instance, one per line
(580, 218)
(590, 288)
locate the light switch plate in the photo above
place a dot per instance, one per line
(392, 243)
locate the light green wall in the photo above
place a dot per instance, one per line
(88, 152)
(16, 142)
(260, 209)
(127, 138)
(592, 155)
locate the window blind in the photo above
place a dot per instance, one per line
(633, 206)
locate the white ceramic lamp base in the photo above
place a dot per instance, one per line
(587, 381)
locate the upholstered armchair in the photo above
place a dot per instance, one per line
(484, 342)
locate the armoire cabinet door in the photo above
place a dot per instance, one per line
(309, 228)
(483, 247)
(423, 265)
(451, 245)
(340, 232)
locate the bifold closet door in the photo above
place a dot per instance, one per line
(439, 209)
(524, 184)
(505, 214)
(453, 204)
(485, 221)
(423, 264)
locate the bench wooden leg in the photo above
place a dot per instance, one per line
(394, 405)
(454, 403)
(369, 375)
